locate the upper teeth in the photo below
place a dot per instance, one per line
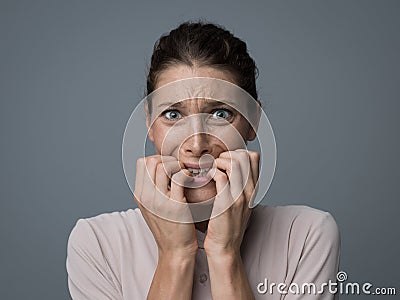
(198, 171)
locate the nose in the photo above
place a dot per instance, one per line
(197, 145)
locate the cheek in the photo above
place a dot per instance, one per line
(244, 129)
(230, 138)
(164, 140)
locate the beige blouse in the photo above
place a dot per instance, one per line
(114, 255)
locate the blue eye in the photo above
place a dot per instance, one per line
(221, 114)
(172, 115)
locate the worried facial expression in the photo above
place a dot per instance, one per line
(197, 128)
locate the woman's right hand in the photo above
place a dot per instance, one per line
(160, 203)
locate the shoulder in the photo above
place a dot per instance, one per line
(296, 222)
(112, 222)
(308, 238)
(292, 213)
(98, 249)
(105, 251)
(295, 243)
(107, 230)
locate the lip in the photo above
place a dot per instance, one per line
(201, 180)
(205, 165)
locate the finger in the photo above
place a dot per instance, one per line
(176, 210)
(243, 157)
(254, 165)
(233, 170)
(139, 181)
(164, 172)
(149, 185)
(178, 182)
(223, 199)
(150, 168)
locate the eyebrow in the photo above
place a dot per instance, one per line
(212, 103)
(171, 104)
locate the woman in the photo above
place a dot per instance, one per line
(239, 252)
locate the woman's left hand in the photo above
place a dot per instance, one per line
(231, 211)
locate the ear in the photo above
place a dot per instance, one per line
(148, 122)
(253, 129)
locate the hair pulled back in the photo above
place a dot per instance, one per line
(198, 44)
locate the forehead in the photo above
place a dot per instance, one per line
(179, 71)
(203, 92)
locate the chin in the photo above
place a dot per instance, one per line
(201, 194)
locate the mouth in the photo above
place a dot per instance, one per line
(197, 171)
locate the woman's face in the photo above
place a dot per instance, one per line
(178, 130)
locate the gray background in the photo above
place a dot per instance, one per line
(72, 71)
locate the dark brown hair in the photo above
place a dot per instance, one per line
(204, 44)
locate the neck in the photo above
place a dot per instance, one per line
(202, 226)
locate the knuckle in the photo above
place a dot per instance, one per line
(221, 176)
(244, 154)
(169, 158)
(254, 155)
(176, 177)
(152, 160)
(235, 163)
(160, 168)
(244, 158)
(140, 162)
(240, 200)
(137, 199)
(225, 154)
